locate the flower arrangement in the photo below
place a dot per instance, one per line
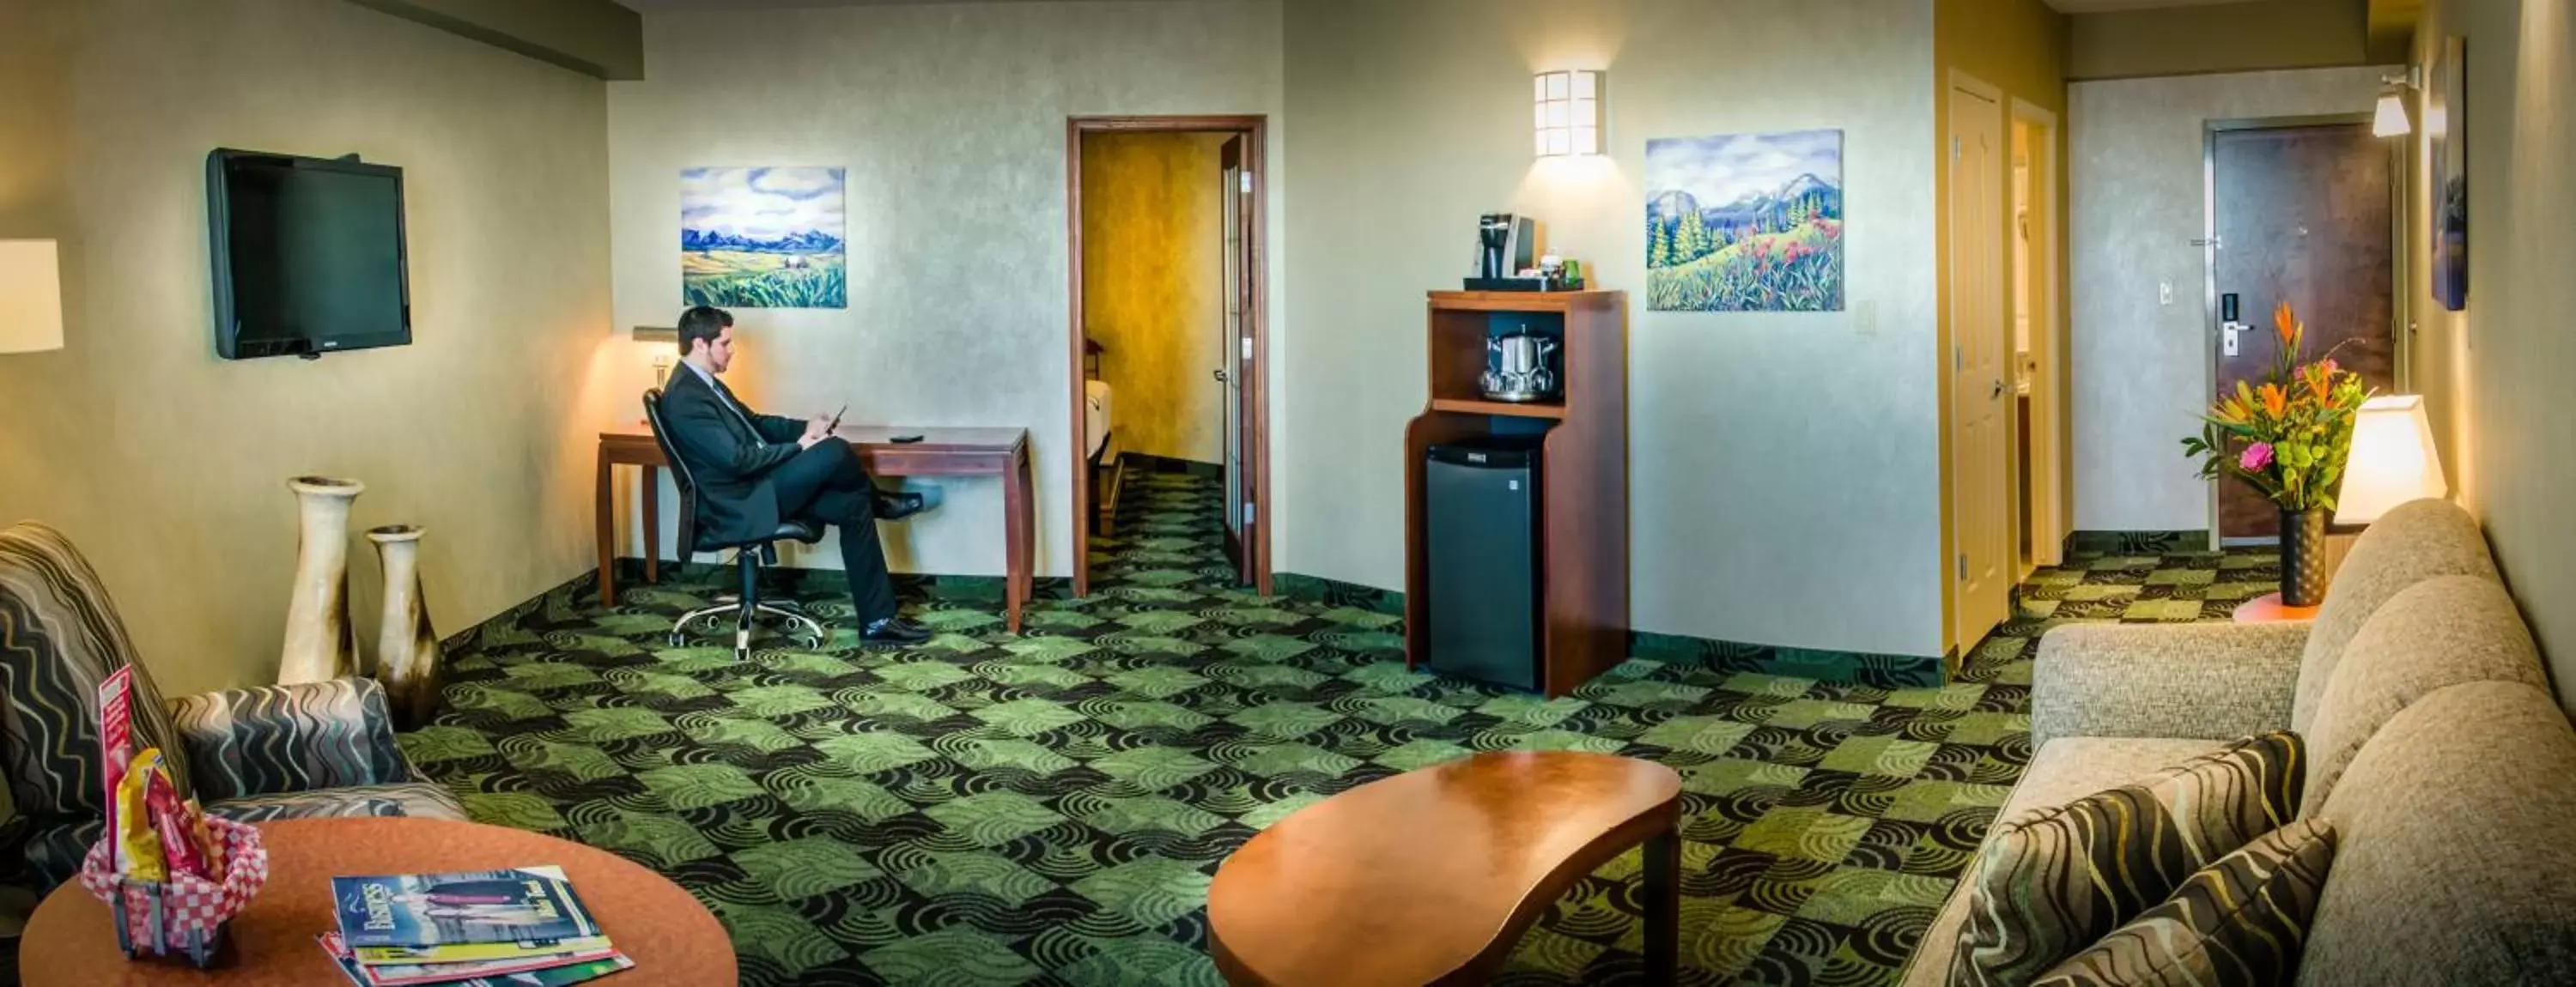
(2289, 436)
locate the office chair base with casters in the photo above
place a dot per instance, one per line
(747, 607)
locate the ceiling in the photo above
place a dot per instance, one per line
(2102, 6)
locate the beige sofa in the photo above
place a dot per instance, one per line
(2436, 751)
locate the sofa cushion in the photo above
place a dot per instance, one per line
(2240, 921)
(2439, 632)
(60, 637)
(2052, 881)
(2417, 541)
(2062, 771)
(2455, 865)
(418, 799)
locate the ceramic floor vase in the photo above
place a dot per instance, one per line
(407, 657)
(2303, 558)
(320, 645)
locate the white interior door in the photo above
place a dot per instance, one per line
(1980, 388)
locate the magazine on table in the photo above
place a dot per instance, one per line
(526, 905)
(407, 974)
(566, 970)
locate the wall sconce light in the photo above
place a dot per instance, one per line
(2391, 120)
(31, 295)
(1569, 112)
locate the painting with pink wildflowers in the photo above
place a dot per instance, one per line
(1745, 223)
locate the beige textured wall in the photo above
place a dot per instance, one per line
(1783, 471)
(595, 37)
(1153, 253)
(2495, 375)
(2225, 37)
(951, 121)
(168, 465)
(2142, 369)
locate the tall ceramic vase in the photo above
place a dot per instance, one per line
(319, 642)
(2303, 558)
(407, 658)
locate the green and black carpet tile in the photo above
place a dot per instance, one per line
(1049, 808)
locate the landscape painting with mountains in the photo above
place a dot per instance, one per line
(1745, 223)
(763, 238)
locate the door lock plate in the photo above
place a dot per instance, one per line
(2229, 335)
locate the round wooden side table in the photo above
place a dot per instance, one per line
(71, 940)
(2268, 608)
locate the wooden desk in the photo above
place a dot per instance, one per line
(997, 452)
(71, 939)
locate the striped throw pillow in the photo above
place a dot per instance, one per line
(2051, 882)
(2242, 920)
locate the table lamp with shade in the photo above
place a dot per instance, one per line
(31, 296)
(2392, 461)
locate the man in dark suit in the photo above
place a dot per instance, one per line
(753, 470)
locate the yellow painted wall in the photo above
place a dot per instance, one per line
(1153, 222)
(2018, 46)
(166, 464)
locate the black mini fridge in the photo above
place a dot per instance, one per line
(1480, 505)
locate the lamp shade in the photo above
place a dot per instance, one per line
(2391, 120)
(31, 297)
(2392, 462)
(1567, 113)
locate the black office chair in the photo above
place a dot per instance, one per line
(749, 555)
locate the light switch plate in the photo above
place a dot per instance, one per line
(2164, 292)
(1865, 317)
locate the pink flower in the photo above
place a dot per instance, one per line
(2256, 457)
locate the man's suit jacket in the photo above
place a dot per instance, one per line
(729, 451)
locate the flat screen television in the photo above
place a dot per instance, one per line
(308, 255)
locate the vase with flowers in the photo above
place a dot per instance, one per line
(2288, 438)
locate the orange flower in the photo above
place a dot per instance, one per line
(2275, 400)
(2321, 382)
(2286, 323)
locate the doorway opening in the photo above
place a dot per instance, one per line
(2299, 213)
(2039, 457)
(1168, 324)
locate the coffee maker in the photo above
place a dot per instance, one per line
(1506, 245)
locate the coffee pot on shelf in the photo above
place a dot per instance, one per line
(1519, 367)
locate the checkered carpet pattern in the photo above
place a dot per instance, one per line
(1049, 808)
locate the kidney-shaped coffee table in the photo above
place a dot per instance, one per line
(1432, 875)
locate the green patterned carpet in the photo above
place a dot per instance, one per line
(991, 809)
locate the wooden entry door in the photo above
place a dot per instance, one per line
(2301, 215)
(1980, 389)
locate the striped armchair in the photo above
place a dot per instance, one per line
(275, 752)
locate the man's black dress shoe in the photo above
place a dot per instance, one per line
(894, 630)
(895, 506)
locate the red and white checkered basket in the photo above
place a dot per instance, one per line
(184, 916)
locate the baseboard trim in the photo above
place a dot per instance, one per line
(2137, 542)
(1883, 671)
